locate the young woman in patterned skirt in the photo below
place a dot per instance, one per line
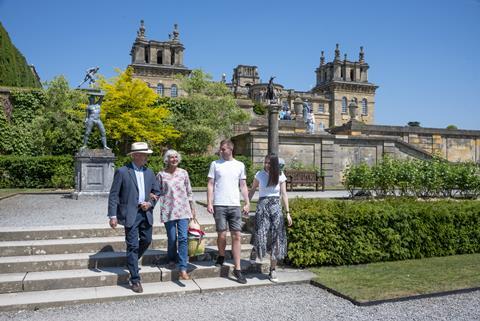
(270, 235)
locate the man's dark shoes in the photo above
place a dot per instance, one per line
(219, 261)
(239, 276)
(137, 287)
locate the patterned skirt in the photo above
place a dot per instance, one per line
(270, 235)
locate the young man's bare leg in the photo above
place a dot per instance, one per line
(221, 244)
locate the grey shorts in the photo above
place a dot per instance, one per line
(230, 214)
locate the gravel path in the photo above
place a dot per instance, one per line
(283, 302)
(57, 209)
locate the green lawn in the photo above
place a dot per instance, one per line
(5, 192)
(389, 280)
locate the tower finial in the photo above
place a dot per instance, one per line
(175, 32)
(361, 55)
(337, 52)
(141, 30)
(322, 59)
(345, 57)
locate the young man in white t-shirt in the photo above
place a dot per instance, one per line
(225, 177)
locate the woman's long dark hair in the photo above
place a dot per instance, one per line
(274, 171)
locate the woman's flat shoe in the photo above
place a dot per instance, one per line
(183, 276)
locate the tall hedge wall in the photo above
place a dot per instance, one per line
(36, 172)
(59, 171)
(338, 232)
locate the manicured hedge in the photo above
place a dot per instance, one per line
(59, 171)
(36, 172)
(338, 232)
(197, 166)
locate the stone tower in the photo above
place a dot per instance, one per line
(243, 78)
(342, 82)
(157, 62)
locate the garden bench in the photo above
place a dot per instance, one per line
(304, 178)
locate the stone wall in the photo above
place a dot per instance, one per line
(331, 153)
(455, 145)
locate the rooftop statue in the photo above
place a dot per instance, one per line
(270, 95)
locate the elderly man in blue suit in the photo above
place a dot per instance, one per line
(129, 204)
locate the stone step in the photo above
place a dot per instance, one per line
(66, 279)
(34, 300)
(75, 261)
(87, 245)
(74, 232)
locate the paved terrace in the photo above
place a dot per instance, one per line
(276, 302)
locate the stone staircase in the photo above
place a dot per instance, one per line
(52, 266)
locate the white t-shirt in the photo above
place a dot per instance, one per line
(263, 189)
(227, 176)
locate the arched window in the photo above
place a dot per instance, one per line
(321, 108)
(160, 89)
(174, 91)
(344, 105)
(146, 56)
(364, 106)
(159, 57)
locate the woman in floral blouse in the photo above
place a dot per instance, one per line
(176, 209)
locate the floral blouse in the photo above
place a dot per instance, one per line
(176, 194)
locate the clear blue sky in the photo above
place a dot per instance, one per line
(424, 54)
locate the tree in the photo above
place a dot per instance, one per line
(14, 70)
(413, 124)
(452, 127)
(131, 112)
(60, 121)
(208, 112)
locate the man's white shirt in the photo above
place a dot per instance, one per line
(226, 176)
(140, 183)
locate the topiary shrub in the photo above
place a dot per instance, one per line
(338, 232)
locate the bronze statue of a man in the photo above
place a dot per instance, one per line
(93, 118)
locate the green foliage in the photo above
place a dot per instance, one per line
(259, 108)
(452, 127)
(27, 104)
(196, 166)
(60, 123)
(43, 122)
(130, 112)
(434, 178)
(358, 178)
(19, 134)
(36, 172)
(14, 70)
(299, 166)
(209, 111)
(333, 232)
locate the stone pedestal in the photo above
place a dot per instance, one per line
(94, 169)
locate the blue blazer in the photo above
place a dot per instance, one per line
(123, 198)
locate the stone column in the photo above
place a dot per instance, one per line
(273, 128)
(167, 56)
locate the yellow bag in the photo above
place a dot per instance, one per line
(196, 246)
(196, 240)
